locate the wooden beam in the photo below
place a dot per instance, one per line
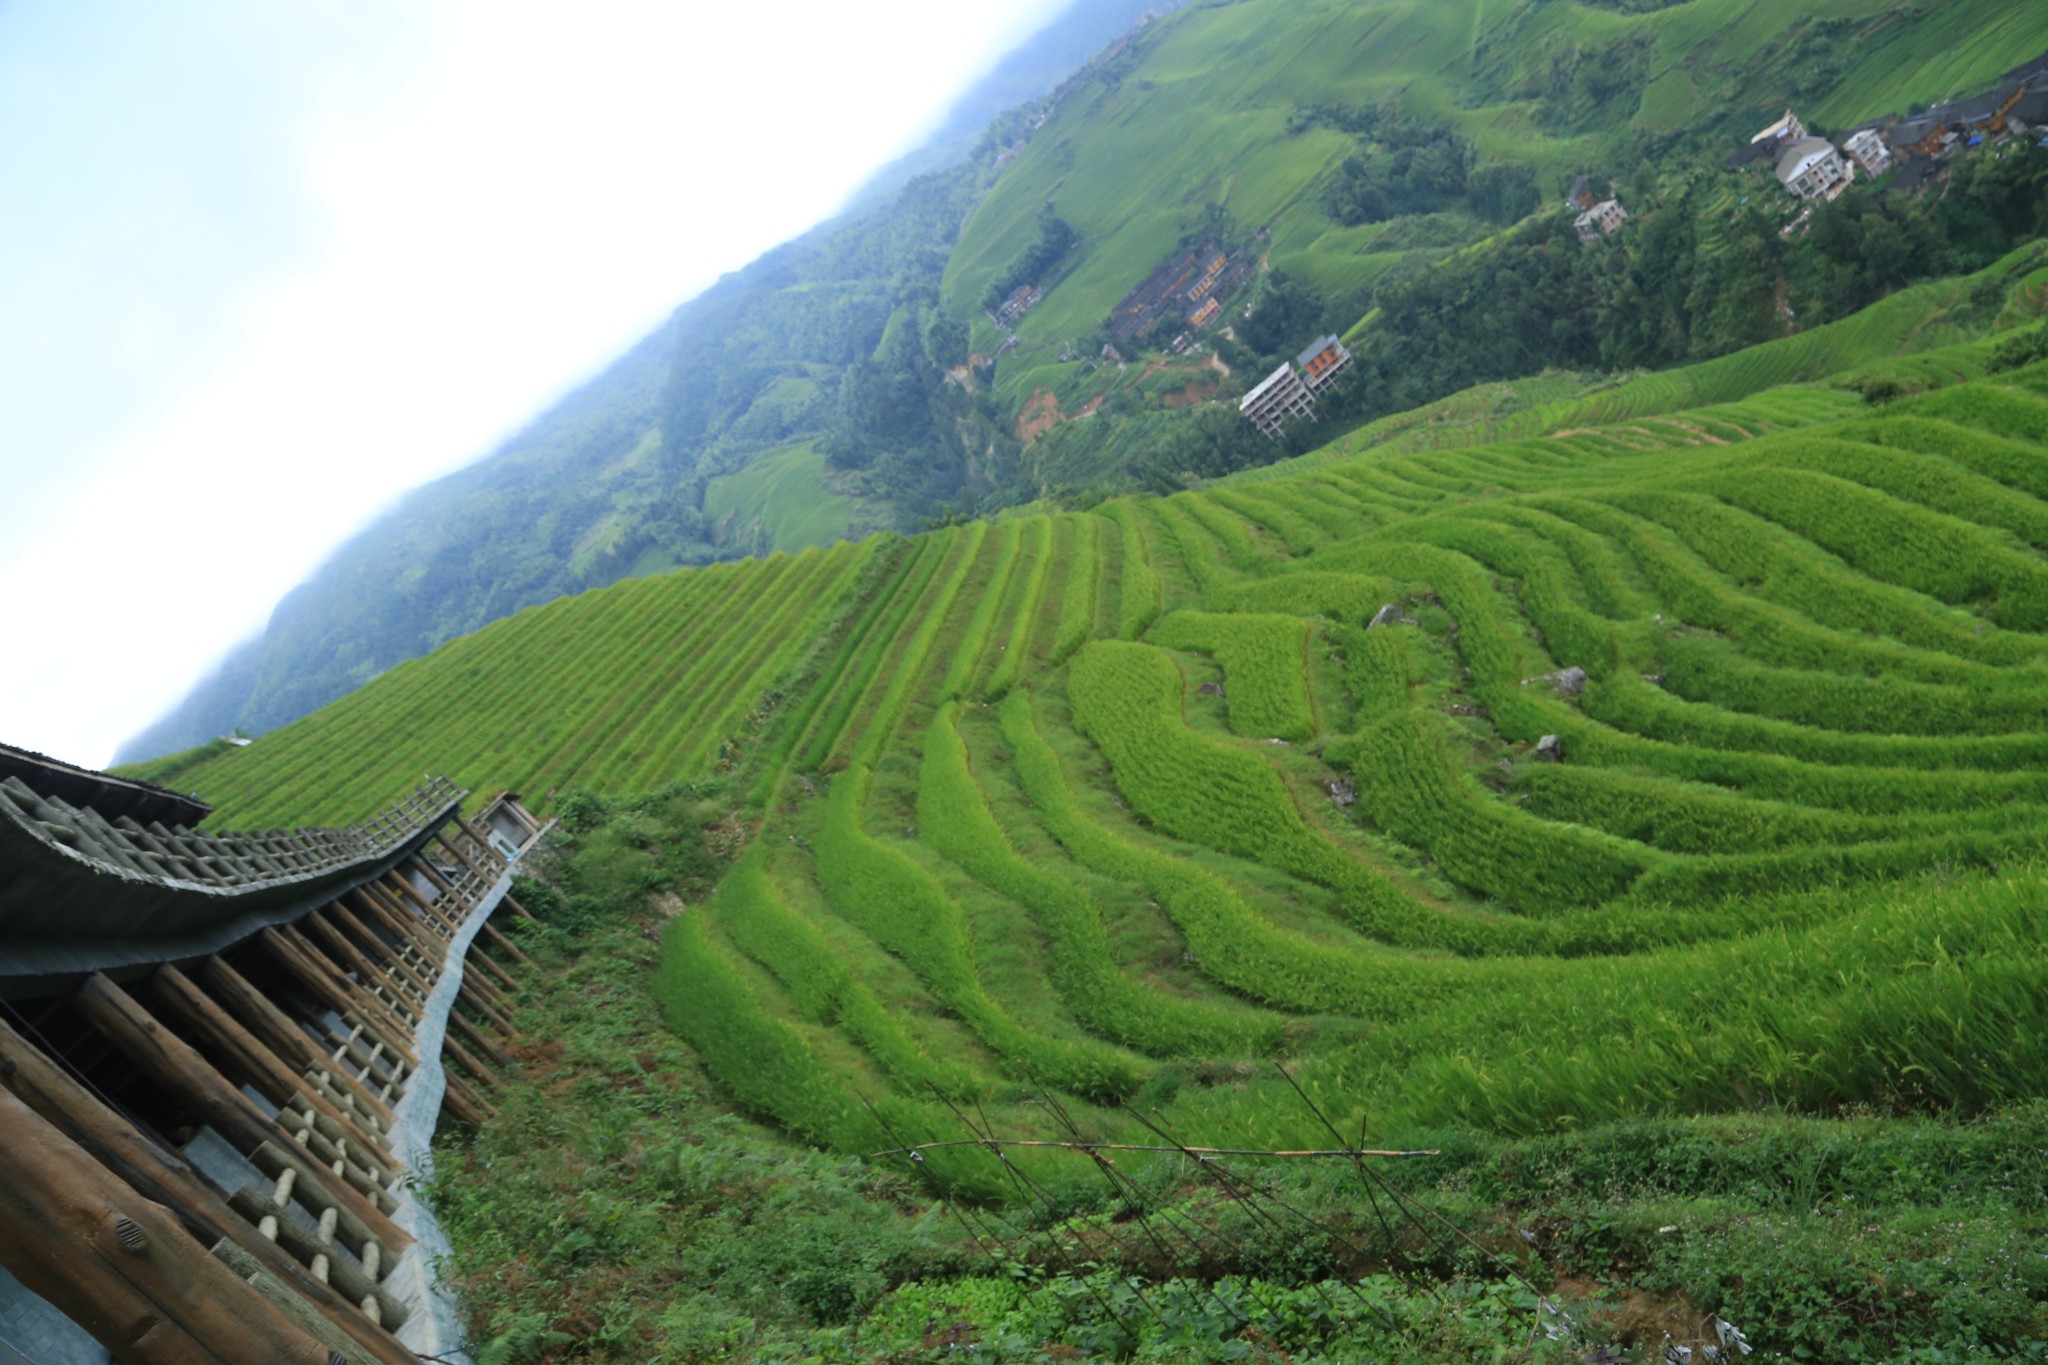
(149, 1168)
(490, 931)
(483, 842)
(517, 908)
(337, 992)
(411, 928)
(121, 1267)
(343, 951)
(482, 1074)
(345, 919)
(490, 1016)
(291, 1043)
(488, 989)
(464, 1102)
(499, 976)
(433, 874)
(257, 1064)
(176, 1066)
(467, 861)
(458, 1022)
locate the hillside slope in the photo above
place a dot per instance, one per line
(1253, 125)
(1711, 730)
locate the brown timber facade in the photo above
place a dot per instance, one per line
(220, 1057)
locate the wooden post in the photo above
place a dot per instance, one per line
(517, 908)
(433, 874)
(258, 1065)
(338, 993)
(394, 959)
(483, 842)
(464, 1102)
(121, 1267)
(131, 1156)
(427, 920)
(409, 927)
(482, 1074)
(350, 958)
(291, 1043)
(173, 1064)
(465, 859)
(490, 1016)
(490, 931)
(474, 1036)
(498, 974)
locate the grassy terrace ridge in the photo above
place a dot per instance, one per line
(1131, 805)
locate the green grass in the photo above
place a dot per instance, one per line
(779, 502)
(1002, 840)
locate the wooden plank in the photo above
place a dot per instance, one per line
(258, 1065)
(176, 1066)
(144, 1164)
(121, 1266)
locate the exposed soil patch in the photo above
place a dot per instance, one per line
(1194, 392)
(1041, 413)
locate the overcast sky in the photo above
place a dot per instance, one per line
(265, 264)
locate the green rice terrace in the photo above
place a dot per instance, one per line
(1685, 771)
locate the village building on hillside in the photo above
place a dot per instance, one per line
(1866, 148)
(1322, 361)
(1290, 391)
(1786, 130)
(1278, 397)
(1599, 220)
(1580, 196)
(1020, 302)
(1813, 168)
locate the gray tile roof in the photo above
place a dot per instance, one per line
(82, 892)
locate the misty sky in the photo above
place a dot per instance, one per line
(265, 264)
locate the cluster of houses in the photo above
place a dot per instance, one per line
(1290, 391)
(1191, 286)
(1817, 169)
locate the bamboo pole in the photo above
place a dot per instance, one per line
(121, 1266)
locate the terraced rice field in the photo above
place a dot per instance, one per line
(1122, 803)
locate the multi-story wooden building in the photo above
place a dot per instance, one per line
(220, 1057)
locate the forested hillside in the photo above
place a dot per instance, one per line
(1389, 170)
